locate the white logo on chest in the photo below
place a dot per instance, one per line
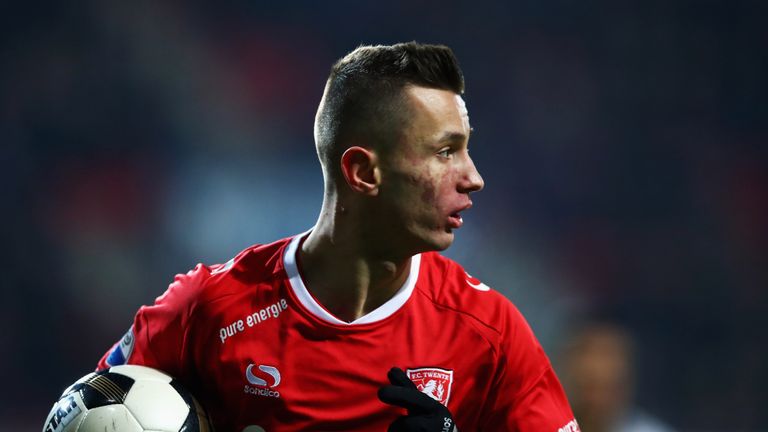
(270, 370)
(261, 386)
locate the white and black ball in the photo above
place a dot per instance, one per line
(127, 398)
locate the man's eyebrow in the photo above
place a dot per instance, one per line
(454, 136)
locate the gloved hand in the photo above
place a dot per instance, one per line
(424, 413)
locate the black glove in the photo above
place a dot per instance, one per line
(424, 413)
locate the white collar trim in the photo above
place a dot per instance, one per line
(305, 298)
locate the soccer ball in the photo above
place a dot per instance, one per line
(127, 398)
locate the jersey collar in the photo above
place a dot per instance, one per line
(310, 304)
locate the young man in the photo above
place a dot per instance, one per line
(358, 324)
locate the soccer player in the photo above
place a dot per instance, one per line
(359, 324)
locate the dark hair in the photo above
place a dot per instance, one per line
(364, 88)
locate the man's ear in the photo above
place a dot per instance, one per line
(361, 170)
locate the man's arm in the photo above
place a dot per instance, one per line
(156, 337)
(526, 395)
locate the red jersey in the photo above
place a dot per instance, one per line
(250, 341)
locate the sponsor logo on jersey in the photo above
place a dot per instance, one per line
(476, 284)
(67, 410)
(272, 311)
(262, 386)
(434, 382)
(269, 370)
(122, 351)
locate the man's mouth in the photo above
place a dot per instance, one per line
(455, 220)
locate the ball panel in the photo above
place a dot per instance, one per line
(127, 398)
(197, 419)
(109, 418)
(144, 398)
(104, 388)
(141, 373)
(65, 415)
(76, 385)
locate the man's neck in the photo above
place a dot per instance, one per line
(345, 279)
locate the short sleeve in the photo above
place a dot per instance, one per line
(158, 335)
(526, 394)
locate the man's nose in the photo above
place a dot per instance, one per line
(471, 181)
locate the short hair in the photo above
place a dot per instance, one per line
(363, 90)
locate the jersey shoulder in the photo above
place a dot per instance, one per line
(208, 283)
(450, 286)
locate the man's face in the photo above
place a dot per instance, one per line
(428, 175)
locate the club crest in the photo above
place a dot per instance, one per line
(434, 382)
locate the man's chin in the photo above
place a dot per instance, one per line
(441, 241)
(432, 241)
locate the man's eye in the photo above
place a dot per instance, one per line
(446, 153)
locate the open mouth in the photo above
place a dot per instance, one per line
(455, 220)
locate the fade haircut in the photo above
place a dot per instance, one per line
(363, 96)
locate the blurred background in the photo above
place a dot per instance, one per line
(623, 145)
